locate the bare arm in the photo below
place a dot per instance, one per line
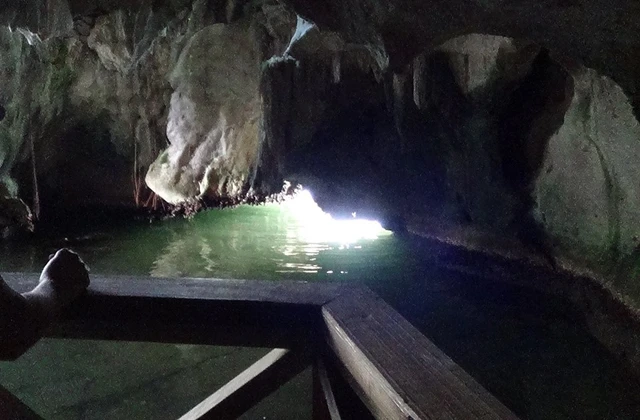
(24, 317)
(14, 321)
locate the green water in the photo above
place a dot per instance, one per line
(522, 346)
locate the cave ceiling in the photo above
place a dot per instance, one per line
(600, 34)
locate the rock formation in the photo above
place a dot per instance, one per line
(129, 103)
(213, 122)
(393, 110)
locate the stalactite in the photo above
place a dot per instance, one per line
(336, 67)
(402, 89)
(419, 81)
(277, 92)
(34, 173)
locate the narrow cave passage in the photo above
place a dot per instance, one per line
(506, 170)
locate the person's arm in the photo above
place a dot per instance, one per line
(15, 336)
(24, 317)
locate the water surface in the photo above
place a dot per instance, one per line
(519, 344)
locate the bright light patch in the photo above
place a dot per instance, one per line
(316, 226)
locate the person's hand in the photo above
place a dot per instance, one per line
(66, 275)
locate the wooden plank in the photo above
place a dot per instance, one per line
(398, 372)
(351, 404)
(285, 292)
(191, 311)
(325, 406)
(251, 386)
(12, 408)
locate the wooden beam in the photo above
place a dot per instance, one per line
(349, 401)
(251, 386)
(398, 372)
(191, 311)
(284, 292)
(12, 408)
(324, 400)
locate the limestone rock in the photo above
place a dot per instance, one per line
(588, 194)
(47, 18)
(34, 77)
(596, 33)
(108, 39)
(13, 211)
(213, 120)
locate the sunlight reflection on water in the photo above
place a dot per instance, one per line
(316, 226)
(314, 231)
(283, 238)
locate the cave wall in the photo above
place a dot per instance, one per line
(588, 193)
(364, 103)
(33, 76)
(539, 149)
(144, 92)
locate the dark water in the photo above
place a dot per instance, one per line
(522, 346)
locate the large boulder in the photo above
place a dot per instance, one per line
(213, 123)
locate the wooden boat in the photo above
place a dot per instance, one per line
(355, 342)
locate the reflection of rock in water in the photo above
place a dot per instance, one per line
(166, 265)
(207, 251)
